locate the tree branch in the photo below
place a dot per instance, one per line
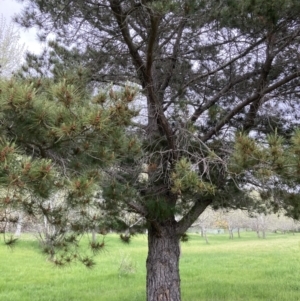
(137, 60)
(254, 107)
(210, 103)
(201, 76)
(138, 208)
(192, 215)
(151, 43)
(169, 73)
(255, 97)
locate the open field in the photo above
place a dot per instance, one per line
(248, 269)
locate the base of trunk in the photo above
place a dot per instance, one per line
(163, 280)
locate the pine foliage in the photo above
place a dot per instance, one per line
(59, 143)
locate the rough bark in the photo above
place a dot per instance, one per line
(163, 280)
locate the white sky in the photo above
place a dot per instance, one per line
(9, 8)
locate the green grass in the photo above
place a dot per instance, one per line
(248, 269)
(242, 269)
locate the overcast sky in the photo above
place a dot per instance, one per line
(9, 8)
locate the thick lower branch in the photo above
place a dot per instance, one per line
(138, 208)
(192, 215)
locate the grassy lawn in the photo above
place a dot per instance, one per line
(248, 268)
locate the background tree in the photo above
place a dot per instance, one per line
(206, 221)
(284, 225)
(212, 75)
(235, 221)
(11, 51)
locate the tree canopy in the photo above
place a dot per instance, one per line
(218, 103)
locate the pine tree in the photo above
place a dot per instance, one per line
(217, 80)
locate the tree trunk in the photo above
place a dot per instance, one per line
(205, 236)
(163, 280)
(94, 236)
(230, 233)
(19, 225)
(202, 232)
